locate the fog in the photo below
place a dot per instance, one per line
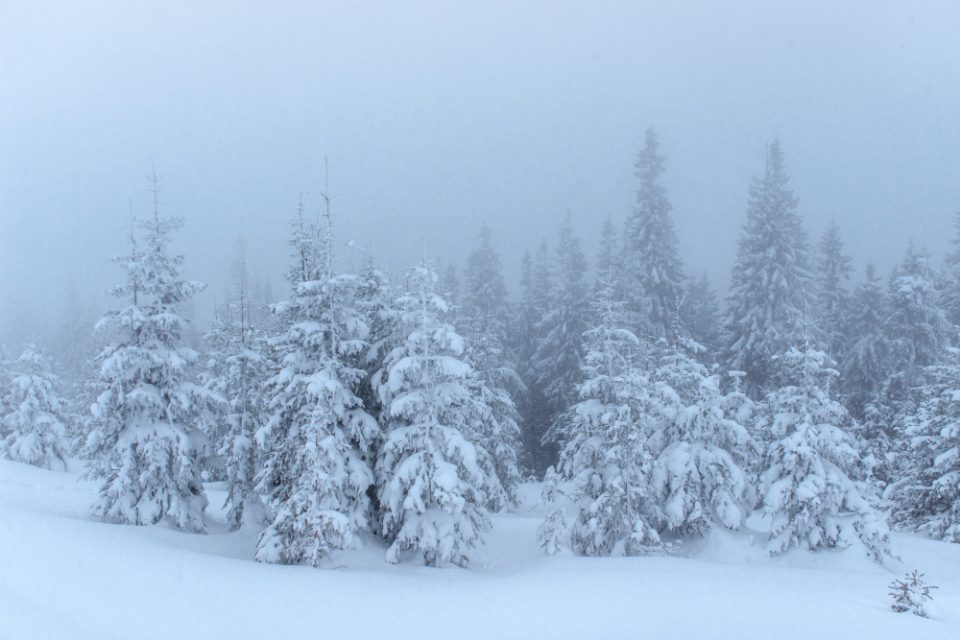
(436, 118)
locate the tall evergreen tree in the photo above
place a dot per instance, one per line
(917, 325)
(538, 295)
(145, 441)
(429, 482)
(485, 319)
(832, 299)
(608, 257)
(319, 437)
(34, 424)
(771, 285)
(950, 277)
(813, 494)
(604, 464)
(560, 351)
(241, 376)
(927, 498)
(700, 316)
(701, 453)
(866, 354)
(651, 258)
(536, 287)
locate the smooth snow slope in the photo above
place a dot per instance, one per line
(65, 576)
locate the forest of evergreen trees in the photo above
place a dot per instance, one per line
(818, 410)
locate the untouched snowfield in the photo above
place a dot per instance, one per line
(66, 576)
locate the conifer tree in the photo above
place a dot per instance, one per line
(812, 487)
(651, 257)
(832, 299)
(917, 325)
(950, 278)
(145, 442)
(608, 257)
(700, 317)
(604, 463)
(701, 453)
(558, 360)
(242, 372)
(866, 354)
(34, 424)
(537, 295)
(927, 499)
(429, 482)
(771, 282)
(319, 436)
(485, 318)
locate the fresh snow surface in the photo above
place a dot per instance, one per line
(64, 575)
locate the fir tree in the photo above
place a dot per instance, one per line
(429, 482)
(950, 277)
(558, 360)
(866, 354)
(651, 258)
(485, 319)
(145, 441)
(700, 452)
(604, 462)
(700, 317)
(537, 291)
(243, 371)
(832, 299)
(813, 494)
(34, 426)
(768, 291)
(917, 325)
(927, 499)
(608, 257)
(319, 437)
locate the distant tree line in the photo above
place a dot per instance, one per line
(359, 408)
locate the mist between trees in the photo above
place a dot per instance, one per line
(814, 410)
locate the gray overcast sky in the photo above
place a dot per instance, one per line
(437, 116)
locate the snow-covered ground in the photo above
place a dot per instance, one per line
(63, 575)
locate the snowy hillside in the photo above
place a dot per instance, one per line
(67, 576)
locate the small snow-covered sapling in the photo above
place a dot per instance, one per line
(910, 594)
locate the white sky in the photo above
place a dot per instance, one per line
(437, 116)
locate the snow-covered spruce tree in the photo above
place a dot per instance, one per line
(34, 426)
(484, 318)
(928, 498)
(450, 286)
(700, 317)
(145, 440)
(609, 256)
(604, 463)
(242, 371)
(700, 453)
(812, 489)
(429, 482)
(831, 305)
(917, 335)
(558, 361)
(537, 292)
(651, 258)
(917, 325)
(765, 308)
(319, 436)
(950, 276)
(866, 354)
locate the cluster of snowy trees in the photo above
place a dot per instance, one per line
(362, 409)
